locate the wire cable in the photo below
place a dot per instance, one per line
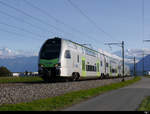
(63, 23)
(19, 28)
(22, 20)
(55, 19)
(28, 15)
(17, 34)
(89, 19)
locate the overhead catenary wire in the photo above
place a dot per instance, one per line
(22, 20)
(34, 18)
(89, 19)
(20, 28)
(58, 20)
(21, 36)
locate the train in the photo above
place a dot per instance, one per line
(62, 58)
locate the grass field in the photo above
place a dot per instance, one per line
(59, 102)
(145, 105)
(25, 79)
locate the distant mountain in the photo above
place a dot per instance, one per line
(139, 65)
(18, 60)
(138, 54)
(20, 64)
(131, 53)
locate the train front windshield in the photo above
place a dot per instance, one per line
(51, 49)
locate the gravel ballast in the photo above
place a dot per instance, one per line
(25, 92)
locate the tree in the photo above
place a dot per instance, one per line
(4, 72)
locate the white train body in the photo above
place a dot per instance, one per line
(75, 58)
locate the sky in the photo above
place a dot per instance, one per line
(26, 24)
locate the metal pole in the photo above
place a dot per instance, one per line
(123, 59)
(143, 62)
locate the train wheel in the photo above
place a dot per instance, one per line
(102, 76)
(75, 77)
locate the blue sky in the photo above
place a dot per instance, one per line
(122, 19)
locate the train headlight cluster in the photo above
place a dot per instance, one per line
(57, 65)
(41, 67)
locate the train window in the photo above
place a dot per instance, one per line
(113, 70)
(101, 63)
(78, 58)
(67, 54)
(90, 68)
(106, 64)
(86, 67)
(95, 68)
(50, 49)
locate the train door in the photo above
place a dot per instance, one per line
(107, 66)
(98, 68)
(102, 65)
(83, 67)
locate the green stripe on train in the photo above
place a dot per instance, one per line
(49, 63)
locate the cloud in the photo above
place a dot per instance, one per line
(131, 53)
(9, 53)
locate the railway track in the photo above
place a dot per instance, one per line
(25, 92)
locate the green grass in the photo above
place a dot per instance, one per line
(20, 79)
(59, 102)
(145, 105)
(147, 76)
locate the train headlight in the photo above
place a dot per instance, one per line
(57, 65)
(41, 65)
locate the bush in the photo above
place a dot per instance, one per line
(4, 72)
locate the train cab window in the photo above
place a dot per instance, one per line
(67, 54)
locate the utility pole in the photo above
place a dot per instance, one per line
(123, 59)
(122, 46)
(143, 62)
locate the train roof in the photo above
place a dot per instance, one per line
(99, 50)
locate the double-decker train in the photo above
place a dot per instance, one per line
(61, 58)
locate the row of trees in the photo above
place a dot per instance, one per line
(4, 72)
